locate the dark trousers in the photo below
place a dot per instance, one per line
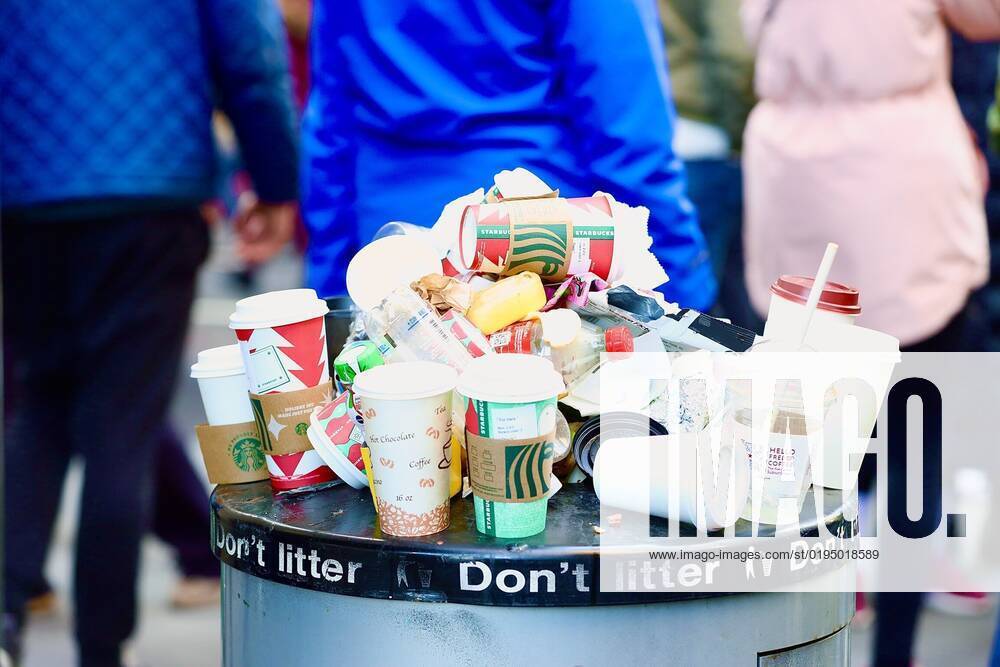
(95, 313)
(896, 623)
(180, 509)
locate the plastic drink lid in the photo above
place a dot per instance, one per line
(218, 362)
(559, 327)
(619, 339)
(588, 438)
(275, 309)
(510, 378)
(835, 298)
(405, 381)
(388, 263)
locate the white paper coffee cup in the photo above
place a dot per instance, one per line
(223, 385)
(230, 443)
(691, 477)
(407, 413)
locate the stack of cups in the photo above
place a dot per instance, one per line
(283, 342)
(860, 361)
(230, 442)
(407, 413)
(510, 408)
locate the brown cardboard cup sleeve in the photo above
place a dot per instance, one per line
(232, 453)
(283, 418)
(510, 471)
(541, 239)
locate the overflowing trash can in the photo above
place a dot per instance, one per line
(311, 579)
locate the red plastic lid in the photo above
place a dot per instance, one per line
(619, 339)
(836, 297)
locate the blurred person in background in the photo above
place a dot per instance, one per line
(180, 519)
(106, 155)
(858, 139)
(974, 74)
(298, 17)
(236, 194)
(414, 103)
(974, 79)
(711, 68)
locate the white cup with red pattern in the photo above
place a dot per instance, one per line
(283, 342)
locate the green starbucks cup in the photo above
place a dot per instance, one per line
(509, 406)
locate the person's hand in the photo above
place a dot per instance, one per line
(263, 228)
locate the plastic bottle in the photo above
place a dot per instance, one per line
(574, 347)
(407, 328)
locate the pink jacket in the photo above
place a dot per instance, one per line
(858, 139)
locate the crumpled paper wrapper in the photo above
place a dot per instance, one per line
(633, 246)
(444, 293)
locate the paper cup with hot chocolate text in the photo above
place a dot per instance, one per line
(407, 413)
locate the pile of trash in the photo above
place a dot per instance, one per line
(517, 269)
(483, 361)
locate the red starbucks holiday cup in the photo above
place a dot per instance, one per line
(283, 342)
(553, 237)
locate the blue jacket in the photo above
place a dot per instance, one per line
(416, 102)
(112, 100)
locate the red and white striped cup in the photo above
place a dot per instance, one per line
(283, 342)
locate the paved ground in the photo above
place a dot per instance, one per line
(168, 638)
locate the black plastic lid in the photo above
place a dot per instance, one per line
(616, 425)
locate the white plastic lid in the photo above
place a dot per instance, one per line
(510, 378)
(275, 309)
(218, 362)
(388, 263)
(333, 457)
(405, 381)
(560, 327)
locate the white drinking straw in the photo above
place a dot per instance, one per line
(817, 289)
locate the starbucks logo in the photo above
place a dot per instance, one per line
(247, 454)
